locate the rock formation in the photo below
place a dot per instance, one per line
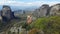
(42, 11)
(55, 10)
(6, 13)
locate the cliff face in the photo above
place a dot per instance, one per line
(42, 11)
(0, 16)
(6, 13)
(55, 10)
(46, 10)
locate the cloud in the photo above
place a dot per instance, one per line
(21, 3)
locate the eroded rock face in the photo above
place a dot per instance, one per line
(42, 11)
(6, 13)
(55, 10)
(0, 16)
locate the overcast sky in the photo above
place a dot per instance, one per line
(28, 2)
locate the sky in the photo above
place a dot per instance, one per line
(28, 3)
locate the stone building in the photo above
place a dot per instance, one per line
(55, 10)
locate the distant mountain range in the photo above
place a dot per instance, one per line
(21, 7)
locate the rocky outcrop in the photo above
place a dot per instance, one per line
(42, 11)
(46, 10)
(0, 16)
(55, 10)
(6, 13)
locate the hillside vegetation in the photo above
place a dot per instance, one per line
(45, 25)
